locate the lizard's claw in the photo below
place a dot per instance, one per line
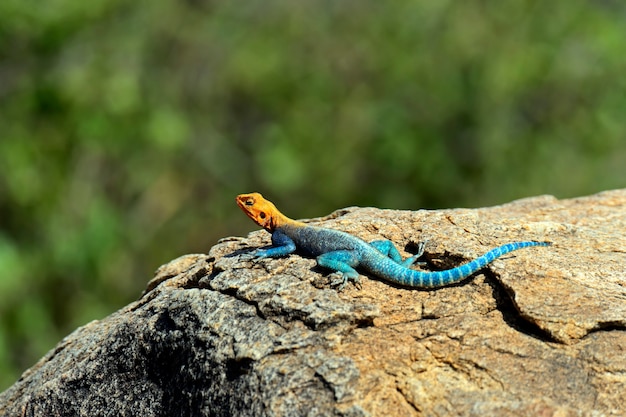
(252, 255)
(421, 246)
(341, 279)
(246, 257)
(413, 260)
(337, 280)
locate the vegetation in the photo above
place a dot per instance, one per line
(129, 127)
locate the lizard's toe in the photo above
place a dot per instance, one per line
(338, 279)
(341, 279)
(253, 255)
(247, 257)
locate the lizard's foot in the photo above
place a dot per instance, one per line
(421, 246)
(341, 279)
(247, 257)
(253, 255)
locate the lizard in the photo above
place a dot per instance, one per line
(342, 252)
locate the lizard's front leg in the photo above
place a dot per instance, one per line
(281, 245)
(343, 262)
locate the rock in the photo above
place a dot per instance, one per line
(540, 332)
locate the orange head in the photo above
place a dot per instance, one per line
(261, 211)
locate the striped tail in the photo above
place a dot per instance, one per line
(413, 278)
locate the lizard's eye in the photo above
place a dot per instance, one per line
(249, 202)
(262, 215)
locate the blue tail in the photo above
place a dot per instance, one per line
(413, 278)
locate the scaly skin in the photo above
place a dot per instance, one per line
(342, 252)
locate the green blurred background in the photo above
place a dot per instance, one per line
(127, 128)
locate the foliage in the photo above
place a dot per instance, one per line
(128, 128)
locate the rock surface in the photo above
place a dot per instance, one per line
(541, 332)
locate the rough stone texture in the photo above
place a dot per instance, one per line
(540, 332)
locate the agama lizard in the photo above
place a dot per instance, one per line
(342, 252)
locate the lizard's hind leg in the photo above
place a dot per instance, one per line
(387, 248)
(343, 263)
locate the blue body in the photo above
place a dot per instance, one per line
(342, 252)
